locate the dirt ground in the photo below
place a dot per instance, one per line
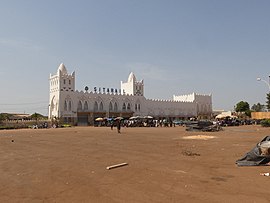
(69, 165)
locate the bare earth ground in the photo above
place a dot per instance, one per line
(69, 165)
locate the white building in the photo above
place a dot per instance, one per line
(83, 107)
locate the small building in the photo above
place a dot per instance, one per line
(83, 107)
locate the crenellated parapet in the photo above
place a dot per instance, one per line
(168, 100)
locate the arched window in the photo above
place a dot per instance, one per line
(115, 108)
(95, 106)
(124, 106)
(135, 107)
(79, 105)
(69, 105)
(110, 106)
(128, 106)
(101, 106)
(52, 106)
(65, 105)
(85, 106)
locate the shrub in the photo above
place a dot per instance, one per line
(265, 123)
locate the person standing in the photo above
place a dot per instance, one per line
(112, 123)
(118, 125)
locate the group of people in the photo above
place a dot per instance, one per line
(139, 123)
(149, 123)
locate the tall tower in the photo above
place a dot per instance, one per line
(132, 86)
(60, 83)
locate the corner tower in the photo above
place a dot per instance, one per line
(59, 83)
(132, 86)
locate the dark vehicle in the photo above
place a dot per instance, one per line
(205, 126)
(230, 122)
(178, 122)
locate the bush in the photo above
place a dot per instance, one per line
(265, 123)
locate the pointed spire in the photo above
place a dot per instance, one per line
(131, 77)
(62, 68)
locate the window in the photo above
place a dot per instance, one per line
(80, 105)
(69, 105)
(65, 106)
(115, 108)
(64, 81)
(110, 107)
(101, 106)
(128, 106)
(85, 106)
(124, 106)
(69, 82)
(95, 106)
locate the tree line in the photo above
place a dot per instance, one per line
(9, 116)
(244, 107)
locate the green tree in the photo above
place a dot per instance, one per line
(258, 107)
(242, 106)
(268, 101)
(248, 113)
(36, 116)
(4, 116)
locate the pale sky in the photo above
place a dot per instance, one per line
(177, 47)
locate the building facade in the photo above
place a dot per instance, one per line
(83, 107)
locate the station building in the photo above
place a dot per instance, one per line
(83, 107)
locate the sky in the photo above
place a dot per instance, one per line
(176, 46)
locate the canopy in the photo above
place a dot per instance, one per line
(225, 116)
(119, 118)
(149, 117)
